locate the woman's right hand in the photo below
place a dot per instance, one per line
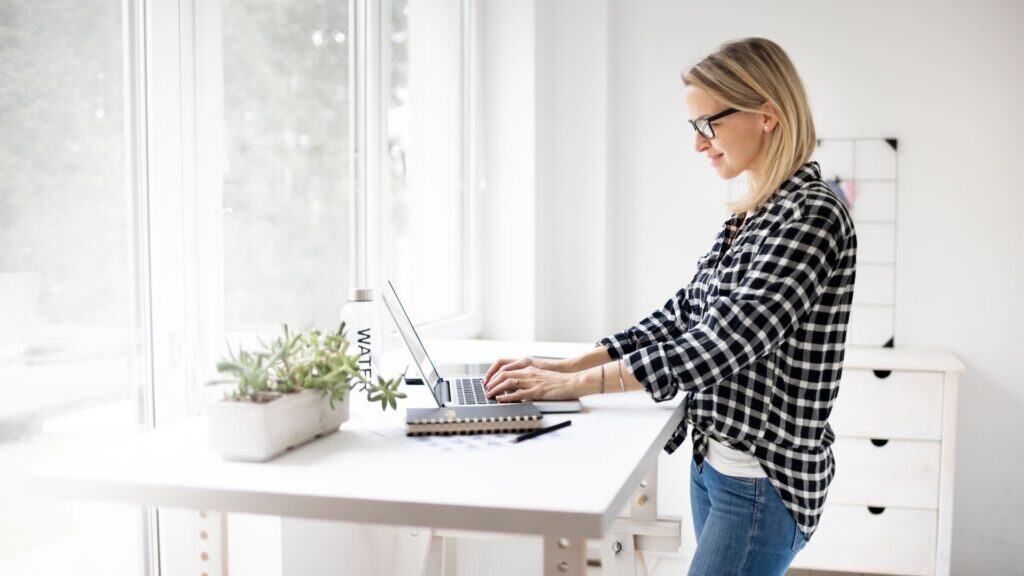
(506, 364)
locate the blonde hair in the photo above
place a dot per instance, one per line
(747, 74)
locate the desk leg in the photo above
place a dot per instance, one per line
(420, 552)
(619, 552)
(644, 505)
(565, 556)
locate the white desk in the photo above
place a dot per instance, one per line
(566, 486)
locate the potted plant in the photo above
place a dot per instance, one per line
(292, 390)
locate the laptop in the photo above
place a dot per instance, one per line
(455, 390)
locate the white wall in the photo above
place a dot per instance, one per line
(544, 70)
(572, 179)
(946, 78)
(507, 198)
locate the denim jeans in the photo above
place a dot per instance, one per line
(742, 527)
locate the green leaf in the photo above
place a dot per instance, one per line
(311, 360)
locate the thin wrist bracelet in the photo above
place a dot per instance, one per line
(602, 378)
(622, 383)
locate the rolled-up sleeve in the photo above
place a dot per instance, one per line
(665, 323)
(783, 281)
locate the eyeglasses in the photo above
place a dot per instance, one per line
(703, 125)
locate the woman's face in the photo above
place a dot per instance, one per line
(741, 138)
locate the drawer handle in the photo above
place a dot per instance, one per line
(876, 510)
(879, 441)
(883, 374)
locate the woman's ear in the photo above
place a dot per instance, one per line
(770, 117)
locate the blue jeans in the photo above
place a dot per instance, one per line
(742, 527)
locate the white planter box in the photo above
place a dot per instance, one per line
(254, 432)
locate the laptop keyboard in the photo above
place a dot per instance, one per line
(471, 391)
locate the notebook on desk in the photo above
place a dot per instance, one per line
(493, 419)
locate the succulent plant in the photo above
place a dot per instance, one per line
(305, 361)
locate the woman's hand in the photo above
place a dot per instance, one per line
(506, 364)
(529, 383)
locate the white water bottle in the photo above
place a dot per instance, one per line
(360, 318)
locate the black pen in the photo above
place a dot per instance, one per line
(536, 433)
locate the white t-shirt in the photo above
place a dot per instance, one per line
(732, 462)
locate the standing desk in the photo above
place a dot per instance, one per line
(595, 479)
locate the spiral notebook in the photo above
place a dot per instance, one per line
(472, 419)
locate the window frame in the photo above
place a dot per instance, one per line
(135, 79)
(369, 26)
(375, 92)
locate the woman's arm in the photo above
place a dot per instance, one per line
(595, 357)
(665, 323)
(784, 280)
(588, 381)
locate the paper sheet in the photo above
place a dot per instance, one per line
(464, 442)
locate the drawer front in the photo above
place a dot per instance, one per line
(900, 473)
(903, 405)
(853, 539)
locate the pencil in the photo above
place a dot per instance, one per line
(536, 433)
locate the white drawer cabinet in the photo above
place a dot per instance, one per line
(874, 541)
(904, 405)
(878, 472)
(889, 510)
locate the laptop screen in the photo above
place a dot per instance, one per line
(412, 340)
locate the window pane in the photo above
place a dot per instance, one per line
(287, 182)
(426, 232)
(69, 349)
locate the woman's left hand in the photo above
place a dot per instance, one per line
(532, 383)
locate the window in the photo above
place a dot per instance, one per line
(427, 213)
(287, 140)
(72, 371)
(286, 179)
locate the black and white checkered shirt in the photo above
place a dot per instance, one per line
(757, 340)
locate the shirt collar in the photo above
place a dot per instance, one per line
(808, 172)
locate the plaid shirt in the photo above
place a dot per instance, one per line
(757, 339)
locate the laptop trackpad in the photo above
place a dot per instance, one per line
(557, 406)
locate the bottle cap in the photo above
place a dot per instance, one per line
(360, 294)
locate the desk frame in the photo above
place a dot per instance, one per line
(422, 550)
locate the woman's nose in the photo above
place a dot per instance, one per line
(700, 143)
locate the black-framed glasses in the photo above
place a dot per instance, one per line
(703, 125)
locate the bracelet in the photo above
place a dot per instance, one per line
(602, 378)
(622, 383)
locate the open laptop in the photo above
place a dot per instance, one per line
(462, 390)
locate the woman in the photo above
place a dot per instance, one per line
(756, 339)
